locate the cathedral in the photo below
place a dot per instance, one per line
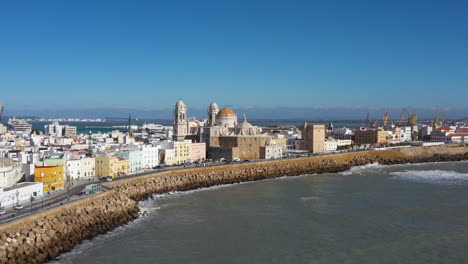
(220, 122)
(225, 136)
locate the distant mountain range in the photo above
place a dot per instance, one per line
(259, 113)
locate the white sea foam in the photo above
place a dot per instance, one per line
(432, 176)
(308, 198)
(363, 168)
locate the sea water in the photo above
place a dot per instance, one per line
(371, 214)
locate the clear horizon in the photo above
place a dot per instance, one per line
(283, 58)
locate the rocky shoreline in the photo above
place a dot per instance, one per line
(44, 236)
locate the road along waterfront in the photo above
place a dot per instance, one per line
(42, 237)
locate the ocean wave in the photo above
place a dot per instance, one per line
(432, 176)
(363, 168)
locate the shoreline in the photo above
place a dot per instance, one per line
(43, 237)
(155, 197)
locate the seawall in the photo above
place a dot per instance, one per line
(44, 236)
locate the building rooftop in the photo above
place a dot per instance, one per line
(458, 135)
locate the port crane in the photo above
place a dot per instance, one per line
(373, 123)
(385, 117)
(444, 119)
(404, 116)
(413, 118)
(435, 123)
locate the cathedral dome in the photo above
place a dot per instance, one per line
(226, 118)
(226, 112)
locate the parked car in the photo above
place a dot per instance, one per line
(108, 179)
(18, 207)
(2, 211)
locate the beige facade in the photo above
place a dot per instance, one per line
(374, 136)
(183, 151)
(111, 166)
(198, 151)
(167, 156)
(242, 147)
(313, 137)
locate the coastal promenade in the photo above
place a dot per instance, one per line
(43, 236)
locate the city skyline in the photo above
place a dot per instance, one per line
(259, 113)
(245, 54)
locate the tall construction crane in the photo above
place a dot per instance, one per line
(404, 116)
(413, 118)
(435, 124)
(444, 119)
(1, 110)
(368, 121)
(385, 117)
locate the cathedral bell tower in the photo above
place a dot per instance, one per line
(180, 121)
(213, 110)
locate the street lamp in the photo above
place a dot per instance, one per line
(68, 190)
(2, 201)
(17, 197)
(31, 199)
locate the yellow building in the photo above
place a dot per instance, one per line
(371, 136)
(183, 151)
(52, 177)
(111, 166)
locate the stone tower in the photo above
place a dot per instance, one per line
(213, 110)
(180, 121)
(314, 138)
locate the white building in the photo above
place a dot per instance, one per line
(53, 129)
(405, 134)
(20, 193)
(441, 134)
(457, 138)
(341, 133)
(330, 145)
(343, 142)
(168, 156)
(69, 130)
(10, 172)
(150, 156)
(272, 150)
(80, 167)
(133, 154)
(19, 126)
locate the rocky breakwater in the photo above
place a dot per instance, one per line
(41, 237)
(188, 179)
(44, 236)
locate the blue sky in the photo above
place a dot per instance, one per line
(267, 54)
